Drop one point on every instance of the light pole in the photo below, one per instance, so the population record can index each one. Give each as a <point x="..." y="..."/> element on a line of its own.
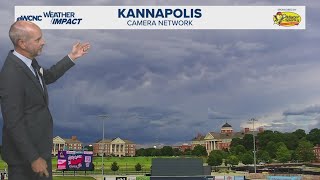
<point x="254" y="145"/>
<point x="103" y="117"/>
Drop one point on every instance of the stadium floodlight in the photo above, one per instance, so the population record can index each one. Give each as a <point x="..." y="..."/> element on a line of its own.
<point x="103" y="117"/>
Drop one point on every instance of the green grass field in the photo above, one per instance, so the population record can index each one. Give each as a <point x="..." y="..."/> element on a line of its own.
<point x="126" y="166"/>
<point x="3" y="165"/>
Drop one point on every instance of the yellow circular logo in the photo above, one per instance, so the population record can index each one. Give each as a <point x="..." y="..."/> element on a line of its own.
<point x="287" y="19"/>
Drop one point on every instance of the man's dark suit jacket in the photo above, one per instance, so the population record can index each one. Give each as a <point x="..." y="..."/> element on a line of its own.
<point x="27" y="128"/>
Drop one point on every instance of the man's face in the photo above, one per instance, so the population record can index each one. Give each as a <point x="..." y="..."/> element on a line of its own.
<point x="34" y="42"/>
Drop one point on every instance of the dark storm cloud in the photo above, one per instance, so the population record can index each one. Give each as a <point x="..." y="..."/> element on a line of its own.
<point x="315" y="109"/>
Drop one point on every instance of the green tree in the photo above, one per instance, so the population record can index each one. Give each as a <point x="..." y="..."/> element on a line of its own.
<point x="138" y="167"/>
<point x="264" y="138"/>
<point x="238" y="150"/>
<point x="314" y="136"/>
<point x="300" y="133"/>
<point x="304" y="151"/>
<point x="215" y="158"/>
<point x="277" y="137"/>
<point x="271" y="149"/>
<point x="264" y="156"/>
<point x="247" y="158"/>
<point x="114" y="167"/>
<point x="88" y="148"/>
<point x="140" y="152"/>
<point x="177" y="152"/>
<point x="248" y="142"/>
<point x="283" y="154"/>
<point x="267" y="136"/>
<point x="187" y="152"/>
<point x="232" y="160"/>
<point x="156" y="152"/>
<point x="290" y="140"/>
<point x="149" y="151"/>
<point x="199" y="150"/>
<point x="235" y="142"/>
<point x="167" y="151"/>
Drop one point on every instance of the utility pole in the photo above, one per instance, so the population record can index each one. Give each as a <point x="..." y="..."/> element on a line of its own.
<point x="252" y="120"/>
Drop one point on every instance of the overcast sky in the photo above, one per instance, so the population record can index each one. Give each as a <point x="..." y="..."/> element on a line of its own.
<point x="165" y="86"/>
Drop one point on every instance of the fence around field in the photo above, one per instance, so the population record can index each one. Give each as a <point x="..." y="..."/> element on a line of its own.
<point x="98" y="172"/>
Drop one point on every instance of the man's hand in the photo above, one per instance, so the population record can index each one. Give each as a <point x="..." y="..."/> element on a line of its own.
<point x="40" y="166"/>
<point x="78" y="50"/>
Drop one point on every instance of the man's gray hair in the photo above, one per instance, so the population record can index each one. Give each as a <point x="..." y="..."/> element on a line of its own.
<point x="18" y="32"/>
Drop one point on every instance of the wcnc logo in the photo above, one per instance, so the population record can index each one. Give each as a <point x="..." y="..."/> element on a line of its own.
<point x="29" y="18"/>
<point x="55" y="17"/>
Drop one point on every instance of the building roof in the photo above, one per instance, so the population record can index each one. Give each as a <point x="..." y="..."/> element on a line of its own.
<point x="199" y="138"/>
<point x="227" y="136"/>
<point x="104" y="141"/>
<point x="226" y="125"/>
<point x="128" y="142"/>
<point x="58" y="139"/>
<point x="72" y="141"/>
<point x="316" y="146"/>
<point x="110" y="140"/>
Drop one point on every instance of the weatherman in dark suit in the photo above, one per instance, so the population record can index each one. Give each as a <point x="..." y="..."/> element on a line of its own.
<point x="27" y="129"/>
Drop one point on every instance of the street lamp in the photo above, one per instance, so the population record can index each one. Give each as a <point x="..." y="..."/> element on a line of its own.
<point x="103" y="117"/>
<point x="254" y="145"/>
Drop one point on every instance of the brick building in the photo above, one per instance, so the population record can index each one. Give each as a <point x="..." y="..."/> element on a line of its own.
<point x="114" y="147"/>
<point x="60" y="144"/>
<point x="316" y="151"/>
<point x="198" y="140"/>
<point x="220" y="140"/>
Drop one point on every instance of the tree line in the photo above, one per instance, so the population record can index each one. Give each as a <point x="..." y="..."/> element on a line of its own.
<point x="169" y="151"/>
<point x="271" y="146"/>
